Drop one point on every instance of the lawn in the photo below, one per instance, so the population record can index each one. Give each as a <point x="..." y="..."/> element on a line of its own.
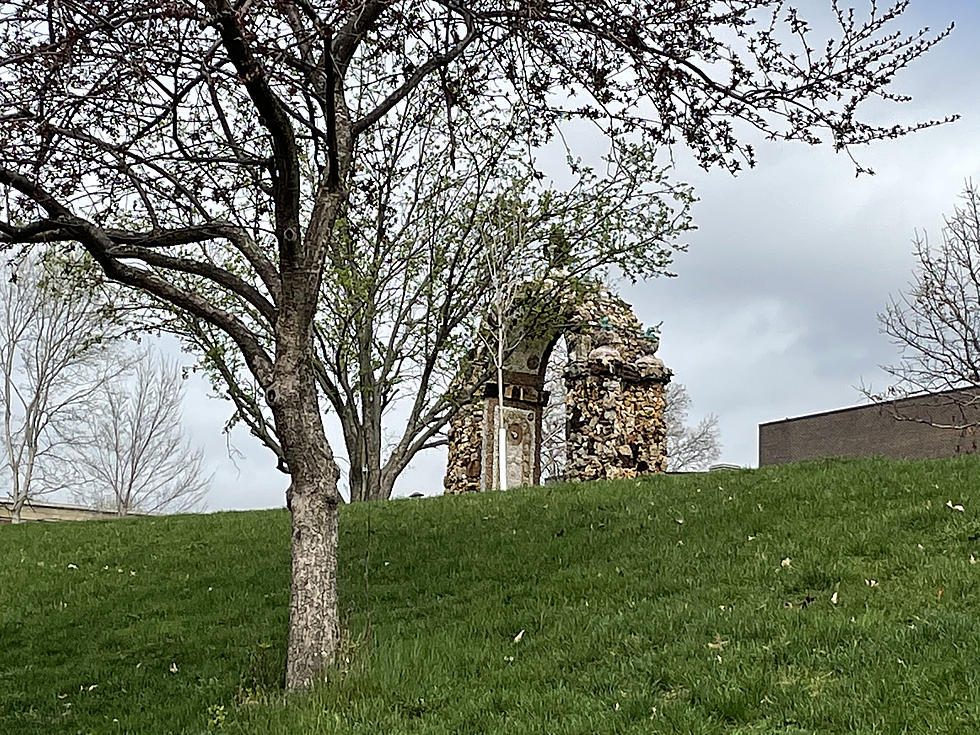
<point x="830" y="597"/>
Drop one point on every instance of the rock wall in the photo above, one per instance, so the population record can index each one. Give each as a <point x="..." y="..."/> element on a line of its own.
<point x="614" y="401"/>
<point x="464" y="466"/>
<point x="615" y="424"/>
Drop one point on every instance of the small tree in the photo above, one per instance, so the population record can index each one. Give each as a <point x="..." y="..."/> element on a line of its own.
<point x="540" y="253"/>
<point x="53" y="365"/>
<point x="689" y="447"/>
<point x="511" y="270"/>
<point x="134" y="456"/>
<point x="936" y="322"/>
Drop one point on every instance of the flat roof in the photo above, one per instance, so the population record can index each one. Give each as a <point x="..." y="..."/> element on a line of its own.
<point x="5" y="504"/>
<point x="870" y="405"/>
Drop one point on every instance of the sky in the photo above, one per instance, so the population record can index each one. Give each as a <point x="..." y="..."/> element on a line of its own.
<point x="773" y="312"/>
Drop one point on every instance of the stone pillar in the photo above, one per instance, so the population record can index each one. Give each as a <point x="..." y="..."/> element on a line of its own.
<point x="523" y="424"/>
<point x="464" y="467"/>
<point x="615" y="423"/>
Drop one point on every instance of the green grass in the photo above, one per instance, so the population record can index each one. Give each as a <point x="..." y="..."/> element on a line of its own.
<point x="661" y="606"/>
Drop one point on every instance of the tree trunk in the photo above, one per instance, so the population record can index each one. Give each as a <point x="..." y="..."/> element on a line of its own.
<point x="365" y="481"/>
<point x="292" y="394"/>
<point x="15" y="515"/>
<point x="387" y="482"/>
<point x="501" y="422"/>
<point x="355" y="476"/>
<point x="314" y="628"/>
<point x="313" y="500"/>
<point x="365" y="456"/>
<point x="368" y="479"/>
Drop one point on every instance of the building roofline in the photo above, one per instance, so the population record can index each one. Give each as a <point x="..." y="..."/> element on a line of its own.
<point x="6" y="505"/>
<point x="924" y="394"/>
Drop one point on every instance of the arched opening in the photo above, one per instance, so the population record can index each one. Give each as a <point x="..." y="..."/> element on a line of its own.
<point x="554" y="438"/>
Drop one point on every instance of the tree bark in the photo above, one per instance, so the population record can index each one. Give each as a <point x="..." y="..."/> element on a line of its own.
<point x="313" y="500"/>
<point x="314" y="628"/>
<point x="368" y="478"/>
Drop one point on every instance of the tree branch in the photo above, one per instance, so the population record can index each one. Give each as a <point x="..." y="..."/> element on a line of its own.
<point x="420" y="73"/>
<point x="274" y="118"/>
<point x="100" y="246"/>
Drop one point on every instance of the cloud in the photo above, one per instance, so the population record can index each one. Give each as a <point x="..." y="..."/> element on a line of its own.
<point x="774" y="310"/>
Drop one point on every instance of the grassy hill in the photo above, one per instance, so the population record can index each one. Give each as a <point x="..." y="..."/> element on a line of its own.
<point x="824" y="597"/>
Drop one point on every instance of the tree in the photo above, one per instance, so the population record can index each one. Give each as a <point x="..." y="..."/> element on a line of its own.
<point x="936" y="322"/>
<point x="199" y="152"/>
<point x="53" y="364"/>
<point x="689" y="448"/>
<point x="419" y="258"/>
<point x="515" y="282"/>
<point x="133" y="456"/>
<point x="82" y="415"/>
<point x="505" y="285"/>
<point x="537" y="273"/>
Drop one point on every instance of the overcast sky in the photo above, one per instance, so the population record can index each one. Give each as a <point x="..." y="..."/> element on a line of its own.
<point x="773" y="313"/>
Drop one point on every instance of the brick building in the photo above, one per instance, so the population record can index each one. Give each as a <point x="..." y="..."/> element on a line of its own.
<point x="874" y="430"/>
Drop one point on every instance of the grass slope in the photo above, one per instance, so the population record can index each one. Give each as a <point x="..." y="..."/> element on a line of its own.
<point x="824" y="597"/>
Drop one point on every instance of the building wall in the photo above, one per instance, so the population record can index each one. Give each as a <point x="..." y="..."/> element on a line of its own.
<point x="874" y="430"/>
<point x="55" y="512"/>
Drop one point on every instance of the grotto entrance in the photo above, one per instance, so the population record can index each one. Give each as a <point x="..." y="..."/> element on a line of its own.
<point x="614" y="402"/>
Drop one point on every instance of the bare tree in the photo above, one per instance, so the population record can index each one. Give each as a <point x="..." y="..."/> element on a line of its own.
<point x="533" y="285"/>
<point x="511" y="270"/>
<point x="936" y="324"/>
<point x="200" y="151"/>
<point x="689" y="447"/>
<point x="53" y="364"/>
<point x="130" y="449"/>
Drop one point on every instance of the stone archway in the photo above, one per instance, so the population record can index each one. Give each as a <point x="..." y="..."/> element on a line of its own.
<point x="614" y="402"/>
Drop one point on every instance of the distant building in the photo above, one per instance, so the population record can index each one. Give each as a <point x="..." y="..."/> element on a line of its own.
<point x="55" y="512"/>
<point x="874" y="430"/>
